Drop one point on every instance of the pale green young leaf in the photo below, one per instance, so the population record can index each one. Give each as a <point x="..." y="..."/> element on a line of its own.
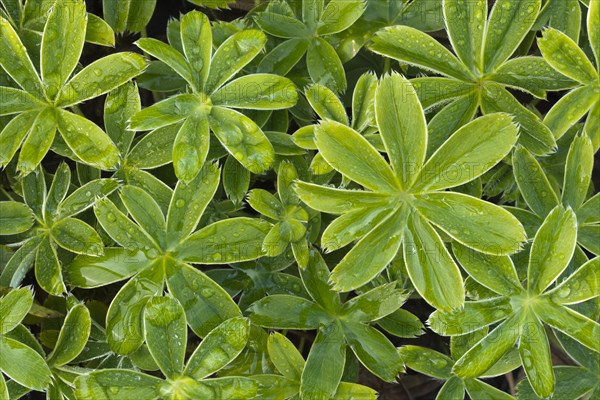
<point x="352" y="226"/>
<point x="536" y="356"/>
<point x="412" y="46"/>
<point x="552" y="248"/>
<point x="115" y="265"/>
<point x="78" y="237"/>
<point x="196" y="40"/>
<point x="564" y="55"/>
<point x="508" y="25"/>
<point x="16" y="101"/>
<point x="117" y="384"/>
<point x="257" y="92"/>
<point x="38" y="142"/>
<point x="14" y="306"/>
<point x="578" y="172"/>
<point x="48" y="269"/>
<point x="338" y="144"/>
<point x="85" y="196"/>
<point x="374" y="350"/>
<point x="206" y="304"/>
<point x="62" y="43"/>
<point x="339" y="15"/>
<point x="582" y="285"/>
<point x="430" y="266"/>
<point x="324" y="364"/>
<point x="15" y="60"/>
<point x="427" y="361"/>
<point x="338" y="201"/>
<point x="15" y="217"/>
<point x="219" y="348"/>
<point x="326" y="104"/>
<point x="286" y="176"/>
<point x="72" y="337"/>
<point x="189" y="202"/>
<point x="23" y="364"/>
<point x="473" y="316"/>
<point x="233" y="55"/>
<point x="144" y="210"/>
<point x="567" y="111"/>
<point x="101" y="77"/>
<point x="281" y="311"/>
<point x="13" y="134"/>
<point x="402" y="126"/>
<point x="468" y="153"/>
<point x="371" y="254"/>
<point x="265" y="203"/>
<point x="168" y="55"/>
<point x="90" y="143"/>
<point x="324" y="65"/>
<point x="465" y="25"/>
<point x="284" y="355"/>
<point x="533" y="183"/>
<point x="488" y="350"/>
<point x="497" y="273"/>
<point x="243" y="138"/>
<point x="165" y="331"/>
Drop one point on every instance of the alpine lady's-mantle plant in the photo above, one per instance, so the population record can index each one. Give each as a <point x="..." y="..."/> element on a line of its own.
<point x="269" y="201"/>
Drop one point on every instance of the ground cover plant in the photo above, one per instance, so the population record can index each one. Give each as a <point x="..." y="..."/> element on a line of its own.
<point x="303" y="199"/>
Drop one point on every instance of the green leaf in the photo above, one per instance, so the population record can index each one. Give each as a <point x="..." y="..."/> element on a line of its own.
<point x="284" y="355"/>
<point x="47" y="268"/>
<point x="567" y="111"/>
<point x="15" y="60"/>
<point x="115" y="265"/>
<point x="402" y="126"/>
<point x="94" y="147"/>
<point x="38" y="142"/>
<point x="588" y="236"/>
<point x="219" y="348"/>
<point x="552" y="248"/>
<point x="374" y="350"/>
<point x="19" y="264"/>
<point x="352" y="226"/>
<point x="454" y="388"/>
<point x="592" y="25"/>
<point x="13" y="134"/>
<point x="191" y="147"/>
<point x="155" y="149"/>
<point x="85" y="196"/>
<point x="532" y="74"/>
<point x="402" y="323"/>
<point x="232" y="387"/>
<point x="536" y="356"/>
<point x="488" y="350"/>
<point x="587" y="213"/>
<point x="533" y="183"/>
<point x="166" y="334"/>
<point x="427" y="361"/>
<point x="121" y="104"/>
<point x="581" y="328"/>
<point x="326" y="104"/>
<point x="99" y="32"/>
<point x="508" y="25"/>
<point x="466" y="25"/>
<point x="284" y="57"/>
<point x="338" y="201"/>
<point x="412" y="46"/>
<point x="257" y="92"/>
<point x="325" y="363"/>
<point x="169" y="56"/>
<point x="582" y="285"/>
<point x="281" y="311"/>
<point x="58" y="190"/>
<point x="339" y="15"/>
<point x="117" y="384"/>
<point x="145" y="211"/>
<point x="473" y="316"/>
<point x="206" y="303"/>
<point x="77" y="236"/>
<point x="564" y="55"/>
<point x="23" y="364"/>
<point x="478" y="390"/>
<point x="16" y="101"/>
<point x="375" y="304"/>
<point x="139" y="15"/>
<point x="189" y="202"/>
<point x="121" y="229"/>
<point x="497" y="273"/>
<point x="314" y="278"/>
<point x="371" y="254"/>
<point x="124" y="323"/>
<point x="14" y="306"/>
<point x="578" y="172"/>
<point x="62" y="43"/>
<point x="570" y="382"/>
<point x="196" y="40"/>
<point x="325" y="66"/>
<point x="471" y="151"/>
<point x="363" y="110"/>
<point x="474" y="223"/>
<point x="73" y="336"/>
<point x="101" y="77"/>
<point x="243" y="138"/>
<point x="15" y="217"/>
<point x="166" y="112"/>
<point x="338" y="144"/>
<point x="233" y="55"/>
<point x="430" y="267"/>
<point x="281" y="25"/>
<point x="34" y="192"/>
